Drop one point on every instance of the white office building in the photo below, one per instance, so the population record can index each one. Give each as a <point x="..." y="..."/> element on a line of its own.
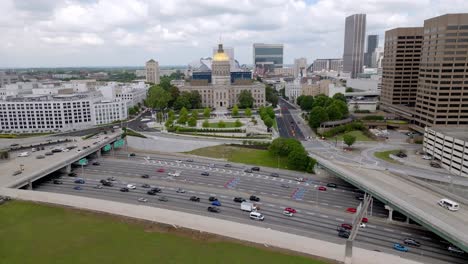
<point x="106" y="111"/>
<point x="449" y="146"/>
<point x="293" y="89"/>
<point x="133" y="93"/>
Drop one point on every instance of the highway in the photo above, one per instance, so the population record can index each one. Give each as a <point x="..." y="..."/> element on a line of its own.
<point x="313" y="219"/>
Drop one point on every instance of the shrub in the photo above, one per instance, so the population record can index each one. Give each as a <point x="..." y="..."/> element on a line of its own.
<point x="221" y="124"/>
<point x="192" y="121"/>
<point x="206" y="123"/>
<point x="238" y="123"/>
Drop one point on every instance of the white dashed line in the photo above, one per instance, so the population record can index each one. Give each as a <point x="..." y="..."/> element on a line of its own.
<point x="271" y="205"/>
<point x="371" y="226"/>
<point x="274" y="194"/>
<point x="426" y="238"/>
<point x="310" y="213"/>
<point x="263" y="193"/>
<point x="324" y="216"/>
<point x="388" y="230"/>
<point x="222" y="196"/>
<point x="406" y="234"/>
<point x="339" y="219"/>
<point x="323" y="203"/>
<point x="202" y="193"/>
<point x="338" y="206"/>
<point x="210" y="184"/>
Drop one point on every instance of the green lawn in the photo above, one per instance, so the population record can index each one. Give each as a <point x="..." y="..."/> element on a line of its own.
<point x="228" y="125"/>
<point x="42" y="234"/>
<point x="385" y="155"/>
<point x="242" y="155"/>
<point x="357" y="133"/>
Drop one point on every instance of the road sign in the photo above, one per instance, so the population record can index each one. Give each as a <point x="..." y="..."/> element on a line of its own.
<point x="107" y="147"/>
<point x="119" y="143"/>
<point x="83" y="161"/>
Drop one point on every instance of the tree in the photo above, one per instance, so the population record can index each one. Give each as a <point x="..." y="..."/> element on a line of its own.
<point x="299" y="99"/>
<point x="245" y="99"/>
<point x="183" y="112"/>
<point x="270" y="112"/>
<point x="270" y="95"/>
<point x="207" y="112"/>
<point x="342" y="107"/>
<point x="238" y="123"/>
<point x="194" y="114"/>
<point x="175" y="93"/>
<point x="171" y="114"/>
<point x="183" y="101"/>
<point x="136" y="108"/>
<point x="195" y="99"/>
<point x="268" y="122"/>
<point x="283" y="146"/>
<point x="322" y="100"/>
<point x="333" y="112"/>
<point x="169" y="123"/>
<point x="349" y="90"/>
<point x="206" y="123"/>
<point x="192" y="122"/>
<point x="183" y="116"/>
<point x="306" y="102"/>
<point x="339" y="96"/>
<point x="317" y="116"/>
<point x="248" y="112"/>
<point x="131" y="111"/>
<point x="349" y="139"/>
<point x="221" y="124"/>
<point x="235" y="111"/>
<point x="298" y="160"/>
<point x="158" y="97"/>
<point x="159" y="116"/>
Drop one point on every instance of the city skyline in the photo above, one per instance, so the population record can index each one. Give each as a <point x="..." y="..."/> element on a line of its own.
<point x="101" y="33"/>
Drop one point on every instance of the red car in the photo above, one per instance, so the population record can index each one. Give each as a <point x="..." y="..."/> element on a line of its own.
<point x="351" y="210"/>
<point x="160" y="170"/>
<point x="347" y="226"/>
<point x="322" y="188"/>
<point x="291" y="210"/>
<point x="365" y="220"/>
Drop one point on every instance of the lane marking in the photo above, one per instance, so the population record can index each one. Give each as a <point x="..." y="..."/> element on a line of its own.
<point x="388" y="230"/>
<point x="339" y="219"/>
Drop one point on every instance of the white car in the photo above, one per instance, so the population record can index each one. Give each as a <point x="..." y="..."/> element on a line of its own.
<point x="131" y="186"/>
<point x="174" y="174"/>
<point x="180" y="190"/>
<point x="23" y="154"/>
<point x="142" y="200"/>
<point x="426" y="157"/>
<point x="362" y="225"/>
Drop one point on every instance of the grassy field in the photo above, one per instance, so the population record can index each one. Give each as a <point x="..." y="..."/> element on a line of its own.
<point x="243" y="155"/>
<point x="42" y="234"/>
<point x="385" y="155"/>
<point x="228" y="125"/>
<point x="357" y="133"/>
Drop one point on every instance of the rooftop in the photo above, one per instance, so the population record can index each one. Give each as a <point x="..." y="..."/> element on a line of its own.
<point x="460" y="132"/>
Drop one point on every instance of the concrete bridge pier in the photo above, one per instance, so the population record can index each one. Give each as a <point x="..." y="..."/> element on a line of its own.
<point x="390" y="213"/>
<point x="98" y="153"/>
<point x="348" y="252"/>
<point x="30" y="186"/>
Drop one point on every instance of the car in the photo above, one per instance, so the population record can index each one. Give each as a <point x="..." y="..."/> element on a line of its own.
<point x="351" y="210"/>
<point x="106" y="183"/>
<point x="254" y="198"/>
<point x="227" y="165"/>
<point x="160" y="170"/>
<point x="72" y="174"/>
<point x="212" y="165"/>
<point x="57" y="181"/>
<point x="344" y="234"/>
<point x="96" y="163"/>
<point x="435" y="165"/>
<point x="299" y="179"/>
<point x="156" y="189"/>
<point x="98" y="186"/>
<point x="142" y="200"/>
<point x="401" y="154"/>
<point x="274" y="174"/>
<point x="131" y="186"/>
<point x="400" y="247"/>
<point x="411" y="242"/>
<point x="322" y="188"/>
<point x="189" y="160"/>
<point x="56" y="150"/>
<point x="426" y="157"/>
<point x="77" y="188"/>
<point x="286" y="213"/>
<point x="48" y="153"/>
<point x="212" y="198"/>
<point x="40" y="157"/>
<point x="284" y="185"/>
<point x="239" y="199"/>
<point x="145" y="185"/>
<point x="151" y="192"/>
<point x="80" y="181"/>
<point x="213" y="209"/>
<point x="332" y="185"/>
<point x="256" y="216"/>
<point x="362" y="225"/>
<point x="195" y="199"/>
<point x="111" y="179"/>
<point x="163" y="199"/>
<point x="180" y="190"/>
<point x="342" y="229"/>
<point x="291" y="210"/>
<point x="364" y="220"/>
<point x="132" y="154"/>
<point x="205" y="173"/>
<point x="455" y="249"/>
<point x="124" y="189"/>
<point x="145" y="176"/>
<point x="178" y="161"/>
<point x="256" y="168"/>
<point x="216" y="203"/>
<point x="248" y="170"/>
<point x="347" y="226"/>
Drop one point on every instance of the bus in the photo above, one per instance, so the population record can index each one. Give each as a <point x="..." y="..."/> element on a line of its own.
<point x="449" y="204"/>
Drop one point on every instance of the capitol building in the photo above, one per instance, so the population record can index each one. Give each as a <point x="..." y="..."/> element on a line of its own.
<point x="219" y="87"/>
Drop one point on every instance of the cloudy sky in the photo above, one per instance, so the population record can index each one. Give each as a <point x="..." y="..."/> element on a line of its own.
<point x="57" y="33"/>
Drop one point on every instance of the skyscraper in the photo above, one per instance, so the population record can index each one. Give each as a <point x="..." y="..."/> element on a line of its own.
<point x="300" y="66"/>
<point x="372" y="44"/>
<point x="266" y="57"/>
<point x="152" y="71"/>
<point x="353" y="55"/>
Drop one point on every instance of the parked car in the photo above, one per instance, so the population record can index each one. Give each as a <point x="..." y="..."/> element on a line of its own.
<point x="256" y="168"/>
<point x="435" y="165"/>
<point x="239" y="199"/>
<point x="145" y="185"/>
<point x="426" y="157"/>
<point x="160" y="170"/>
<point x="205" y="173"/>
<point x="124" y="189"/>
<point x="163" y="199"/>
<point x="254" y="198"/>
<point x="274" y="174"/>
<point x="291" y="210"/>
<point x="57" y="181"/>
<point x="195" y="199"/>
<point x="213" y="209"/>
<point x="332" y="185"/>
<point x="400" y="247"/>
<point x="216" y="203"/>
<point x="411" y="242"/>
<point x="145" y="176"/>
<point x="248" y="170"/>
<point x="142" y="200"/>
<point x="322" y="188"/>
<point x="401" y="154"/>
<point x="72" y="174"/>
<point x="351" y="210"/>
<point x="212" y="198"/>
<point x="347" y="226"/>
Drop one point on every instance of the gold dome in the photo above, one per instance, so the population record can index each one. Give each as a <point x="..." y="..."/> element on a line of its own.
<point x="220" y="55"/>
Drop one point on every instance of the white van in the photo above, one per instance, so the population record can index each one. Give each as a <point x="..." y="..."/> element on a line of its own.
<point x="23" y="154"/>
<point x="449" y="204"/>
<point x="257" y="216"/>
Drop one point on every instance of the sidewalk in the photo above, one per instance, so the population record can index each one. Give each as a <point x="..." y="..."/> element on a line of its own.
<point x="267" y="237"/>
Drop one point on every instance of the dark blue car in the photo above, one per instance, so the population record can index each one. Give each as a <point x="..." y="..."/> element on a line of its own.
<point x="77" y="188"/>
<point x="216" y="203"/>
<point x="400" y="247"/>
<point x="80" y="181"/>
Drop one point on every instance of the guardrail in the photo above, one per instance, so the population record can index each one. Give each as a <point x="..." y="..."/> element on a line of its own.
<point x="401" y="206"/>
<point x="41" y="173"/>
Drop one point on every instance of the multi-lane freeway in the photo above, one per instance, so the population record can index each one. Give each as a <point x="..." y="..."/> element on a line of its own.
<point x="319" y="213"/>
